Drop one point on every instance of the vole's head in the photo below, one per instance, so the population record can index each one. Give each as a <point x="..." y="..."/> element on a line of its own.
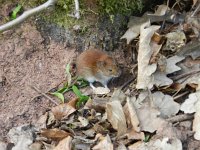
<point x="108" y="67"/>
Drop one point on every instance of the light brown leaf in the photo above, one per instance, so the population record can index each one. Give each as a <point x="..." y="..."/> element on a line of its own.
<point x="131" y="115"/>
<point x="54" y="134"/>
<point x="104" y="144"/>
<point x="65" y="144"/>
<point x="63" y="110"/>
<point x="116" y="117"/>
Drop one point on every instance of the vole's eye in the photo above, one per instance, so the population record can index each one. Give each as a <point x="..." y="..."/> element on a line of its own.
<point x="110" y="70"/>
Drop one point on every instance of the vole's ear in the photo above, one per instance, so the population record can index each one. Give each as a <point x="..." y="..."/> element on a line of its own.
<point x="100" y="63"/>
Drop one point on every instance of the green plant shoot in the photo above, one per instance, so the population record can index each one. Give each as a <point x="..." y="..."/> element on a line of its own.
<point x="16" y="11"/>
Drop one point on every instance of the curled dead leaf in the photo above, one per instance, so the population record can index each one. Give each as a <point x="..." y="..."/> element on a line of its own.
<point x="54" y="134"/>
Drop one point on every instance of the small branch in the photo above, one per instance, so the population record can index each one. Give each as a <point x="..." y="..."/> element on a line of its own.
<point x="27" y="14"/>
<point x="180" y="118"/>
<point x="77" y="11"/>
<point x="45" y="95"/>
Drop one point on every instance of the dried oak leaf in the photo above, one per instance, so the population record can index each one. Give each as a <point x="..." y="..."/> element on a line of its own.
<point x="54" y="134"/>
<point x="145" y="70"/>
<point x="165" y="104"/>
<point x="158" y="144"/>
<point x="65" y="144"/>
<point x="188" y="106"/>
<point x="64" y="110"/>
<point x="116" y="117"/>
<point x="133" y="28"/>
<point x="104" y="144"/>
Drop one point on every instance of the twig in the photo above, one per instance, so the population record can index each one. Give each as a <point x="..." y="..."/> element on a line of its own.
<point x="180" y="118"/>
<point x="185" y="75"/>
<point x="196" y="10"/>
<point x="128" y="82"/>
<point x="77" y="11"/>
<point x="182" y="94"/>
<point x="27" y="14"/>
<point x="36" y="89"/>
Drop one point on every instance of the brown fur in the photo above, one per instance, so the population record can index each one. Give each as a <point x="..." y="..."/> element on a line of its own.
<point x="91" y="62"/>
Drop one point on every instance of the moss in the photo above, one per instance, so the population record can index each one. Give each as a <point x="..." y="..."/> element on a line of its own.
<point x="125" y="7"/>
<point x="90" y="10"/>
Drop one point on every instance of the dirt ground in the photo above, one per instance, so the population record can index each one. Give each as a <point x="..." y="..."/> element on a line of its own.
<point x="26" y="61"/>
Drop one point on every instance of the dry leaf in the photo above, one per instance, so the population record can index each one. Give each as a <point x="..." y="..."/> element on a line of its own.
<point x="104" y="144"/>
<point x="121" y="147"/>
<point x="131" y="134"/>
<point x="171" y="64"/>
<point x="54" y="134"/>
<point x="165" y="104"/>
<point x="62" y="110"/>
<point x="65" y="144"/>
<point x="101" y="90"/>
<point x="116" y="117"/>
<point x="3" y="146"/>
<point x="131" y="115"/>
<point x="134" y="28"/>
<point x="118" y="95"/>
<point x="160" y="79"/>
<point x="196" y="121"/>
<point x="35" y="146"/>
<point x="164" y="144"/>
<point x="175" y="40"/>
<point x="188" y="106"/>
<point x="83" y="121"/>
<point x="161" y="10"/>
<point x="73" y="102"/>
<point x="21" y="136"/>
<point x="145" y="71"/>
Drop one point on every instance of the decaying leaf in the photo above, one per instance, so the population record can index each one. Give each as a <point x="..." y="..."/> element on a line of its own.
<point x="196" y="121"/>
<point x="3" y="146"/>
<point x="118" y="95"/>
<point x="165" y="104"/>
<point x="104" y="144"/>
<point x="160" y="79"/>
<point x="21" y="136"/>
<point x="131" y="115"/>
<point x="171" y="64"/>
<point x="54" y="134"/>
<point x="163" y="144"/>
<point x="101" y="90"/>
<point x="134" y="28"/>
<point x="175" y="40"/>
<point x="145" y="71"/>
<point x="147" y="114"/>
<point x="63" y="110"/>
<point x="116" y="117"/>
<point x="161" y="10"/>
<point x="189" y="105"/>
<point x="35" y="146"/>
<point x="83" y="121"/>
<point x="65" y="144"/>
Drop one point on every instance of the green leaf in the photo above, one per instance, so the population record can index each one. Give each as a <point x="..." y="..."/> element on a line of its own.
<point x="59" y="95"/>
<point x="82" y="98"/>
<point x="67" y="71"/>
<point x="76" y="91"/>
<point x="16" y="11"/>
